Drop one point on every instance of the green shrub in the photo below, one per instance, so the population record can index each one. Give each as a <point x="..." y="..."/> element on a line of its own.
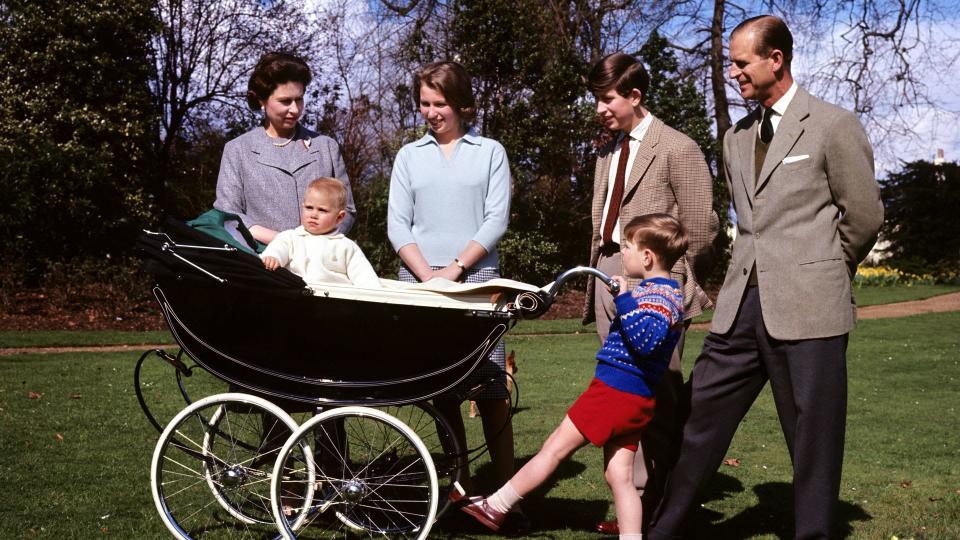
<point x="946" y="272"/>
<point x="528" y="256"/>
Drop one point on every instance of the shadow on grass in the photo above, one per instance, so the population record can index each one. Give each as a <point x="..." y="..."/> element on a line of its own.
<point x="483" y="476"/>
<point x="772" y="515"/>
<point x="542" y="511"/>
<point x="546" y="514"/>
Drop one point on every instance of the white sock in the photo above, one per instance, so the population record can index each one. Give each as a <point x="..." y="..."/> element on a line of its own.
<point x="637" y="536"/>
<point x="504" y="499"/>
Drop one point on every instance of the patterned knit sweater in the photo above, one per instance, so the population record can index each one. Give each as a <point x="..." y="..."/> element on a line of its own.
<point x="642" y="337"/>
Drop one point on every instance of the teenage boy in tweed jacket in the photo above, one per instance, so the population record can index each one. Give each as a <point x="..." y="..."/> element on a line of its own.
<point x="664" y="172"/>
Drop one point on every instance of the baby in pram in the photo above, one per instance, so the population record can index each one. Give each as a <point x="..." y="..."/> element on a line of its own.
<point x="315" y="250"/>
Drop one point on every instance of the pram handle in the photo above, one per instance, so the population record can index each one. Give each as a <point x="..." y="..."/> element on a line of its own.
<point x="580" y="270"/>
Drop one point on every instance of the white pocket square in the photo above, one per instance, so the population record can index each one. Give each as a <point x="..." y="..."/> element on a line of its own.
<point x="794" y="159"/>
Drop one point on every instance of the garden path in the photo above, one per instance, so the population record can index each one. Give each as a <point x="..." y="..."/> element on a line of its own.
<point x="936" y="304"/>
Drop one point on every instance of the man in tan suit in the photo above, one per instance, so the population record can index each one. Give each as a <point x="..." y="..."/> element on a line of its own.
<point x="808" y="208"/>
<point x="648" y="168"/>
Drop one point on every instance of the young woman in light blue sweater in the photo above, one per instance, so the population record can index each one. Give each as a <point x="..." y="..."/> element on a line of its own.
<point x="449" y="205"/>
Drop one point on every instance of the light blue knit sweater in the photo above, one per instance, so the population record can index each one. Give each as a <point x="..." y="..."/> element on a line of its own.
<point x="441" y="204"/>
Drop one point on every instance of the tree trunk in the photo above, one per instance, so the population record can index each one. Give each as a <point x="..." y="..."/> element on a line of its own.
<point x="718" y="75"/>
<point x="721" y="113"/>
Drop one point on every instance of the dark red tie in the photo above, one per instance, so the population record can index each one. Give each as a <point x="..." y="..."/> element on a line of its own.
<point x="613" y="212"/>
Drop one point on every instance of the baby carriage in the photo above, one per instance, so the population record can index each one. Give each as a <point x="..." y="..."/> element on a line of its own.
<point x="374" y="459"/>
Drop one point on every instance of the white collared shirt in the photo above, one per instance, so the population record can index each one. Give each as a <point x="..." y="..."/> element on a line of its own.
<point x="780" y="108"/>
<point x="636" y="135"/>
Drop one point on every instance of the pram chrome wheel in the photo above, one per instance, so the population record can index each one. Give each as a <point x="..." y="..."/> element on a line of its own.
<point x="373" y="477"/>
<point x="212" y="467"/>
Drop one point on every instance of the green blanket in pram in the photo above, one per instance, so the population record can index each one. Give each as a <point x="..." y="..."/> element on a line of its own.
<point x="227" y="227"/>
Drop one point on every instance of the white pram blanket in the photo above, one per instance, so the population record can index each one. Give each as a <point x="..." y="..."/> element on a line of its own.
<point x="490" y="295"/>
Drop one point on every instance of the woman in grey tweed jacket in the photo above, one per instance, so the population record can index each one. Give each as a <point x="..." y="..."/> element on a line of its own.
<point x="264" y="172"/>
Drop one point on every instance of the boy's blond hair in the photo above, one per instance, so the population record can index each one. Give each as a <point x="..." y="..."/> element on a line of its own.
<point x="331" y="187"/>
<point x="660" y="233"/>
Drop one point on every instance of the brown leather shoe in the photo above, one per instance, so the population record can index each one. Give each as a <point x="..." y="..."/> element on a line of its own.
<point x="611" y="528"/>
<point x="478" y="509"/>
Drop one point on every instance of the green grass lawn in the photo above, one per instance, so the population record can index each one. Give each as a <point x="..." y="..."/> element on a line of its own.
<point x="81" y="338"/>
<point x="867" y="296"/>
<point x="75" y="462"/>
<point x="872" y="296"/>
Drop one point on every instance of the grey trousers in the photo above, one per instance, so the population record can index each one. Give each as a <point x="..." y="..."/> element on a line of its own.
<point x="809" y="382"/>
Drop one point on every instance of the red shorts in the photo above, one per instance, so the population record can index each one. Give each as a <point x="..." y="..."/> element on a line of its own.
<point x="607" y="415"/>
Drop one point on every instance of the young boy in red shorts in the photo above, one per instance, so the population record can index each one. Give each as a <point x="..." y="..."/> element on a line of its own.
<point x="619" y="401"/>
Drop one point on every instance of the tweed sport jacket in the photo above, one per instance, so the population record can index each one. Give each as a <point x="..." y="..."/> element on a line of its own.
<point x="812" y="215"/>
<point x="670" y="176"/>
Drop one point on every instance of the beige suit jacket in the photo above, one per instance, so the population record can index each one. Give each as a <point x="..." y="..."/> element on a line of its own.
<point x="809" y="219"/>
<point x="669" y="175"/>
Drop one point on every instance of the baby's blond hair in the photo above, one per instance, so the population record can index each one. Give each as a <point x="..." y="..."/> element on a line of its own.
<point x="331" y="187"/>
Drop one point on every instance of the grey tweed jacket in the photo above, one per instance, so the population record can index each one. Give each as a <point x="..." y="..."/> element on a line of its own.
<point x="264" y="184"/>
<point x="669" y="175"/>
<point x="812" y="215"/>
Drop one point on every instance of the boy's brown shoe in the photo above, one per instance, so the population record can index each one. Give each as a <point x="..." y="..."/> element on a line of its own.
<point x="611" y="528"/>
<point x="478" y="509"/>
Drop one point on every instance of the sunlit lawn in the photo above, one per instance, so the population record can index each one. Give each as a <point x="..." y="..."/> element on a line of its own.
<point x="872" y="296"/>
<point x="901" y="476"/>
<point x="866" y="296"/>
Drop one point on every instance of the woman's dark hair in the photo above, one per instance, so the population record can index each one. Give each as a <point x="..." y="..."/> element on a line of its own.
<point x="772" y="33"/>
<point x="274" y="69"/>
<point x="452" y="81"/>
<point x="621" y="72"/>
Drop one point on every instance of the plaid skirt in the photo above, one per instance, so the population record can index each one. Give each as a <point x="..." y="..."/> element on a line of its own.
<point x="494" y="366"/>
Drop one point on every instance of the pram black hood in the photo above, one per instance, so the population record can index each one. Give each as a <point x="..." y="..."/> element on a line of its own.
<point x="237" y="267"/>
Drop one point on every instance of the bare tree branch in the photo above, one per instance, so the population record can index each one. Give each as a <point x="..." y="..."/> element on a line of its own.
<point x="205" y="50"/>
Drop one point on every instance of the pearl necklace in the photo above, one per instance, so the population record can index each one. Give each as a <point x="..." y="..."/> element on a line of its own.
<point x="288" y="141"/>
<point x="284" y="143"/>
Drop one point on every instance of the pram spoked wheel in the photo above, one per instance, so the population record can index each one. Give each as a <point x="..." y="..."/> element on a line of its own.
<point x="211" y="470"/>
<point x="437" y="436"/>
<point x="373" y="477"/>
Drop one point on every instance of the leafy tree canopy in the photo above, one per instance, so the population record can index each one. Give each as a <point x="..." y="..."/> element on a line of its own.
<point x="920" y="220"/>
<point x="75" y="126"/>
